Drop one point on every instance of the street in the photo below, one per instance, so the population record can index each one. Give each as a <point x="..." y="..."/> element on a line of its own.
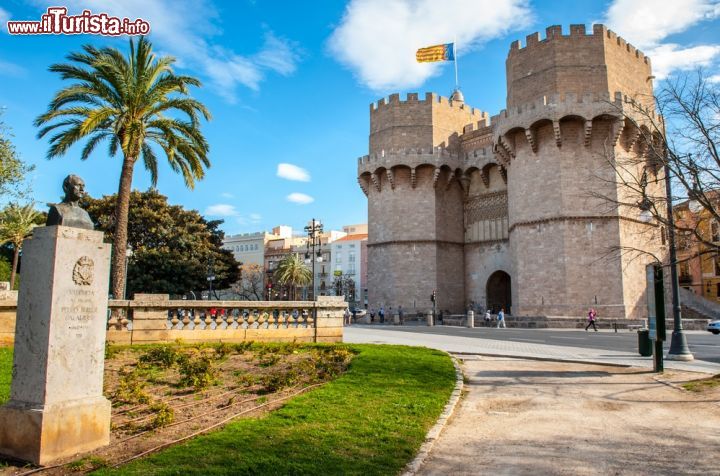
<point x="704" y="345"/>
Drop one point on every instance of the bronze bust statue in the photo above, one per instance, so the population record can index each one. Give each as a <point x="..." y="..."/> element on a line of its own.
<point x="68" y="212"/>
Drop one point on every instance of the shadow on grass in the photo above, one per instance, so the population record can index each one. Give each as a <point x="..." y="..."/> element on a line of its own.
<point x="371" y="420"/>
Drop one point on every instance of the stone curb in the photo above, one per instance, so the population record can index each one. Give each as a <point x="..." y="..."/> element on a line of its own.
<point x="545" y="359"/>
<point x="569" y="360"/>
<point x="414" y="466"/>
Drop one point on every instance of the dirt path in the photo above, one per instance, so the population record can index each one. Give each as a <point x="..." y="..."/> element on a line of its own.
<point x="531" y="417"/>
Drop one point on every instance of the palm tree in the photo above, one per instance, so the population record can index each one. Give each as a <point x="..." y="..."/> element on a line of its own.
<point x="16" y="224"/>
<point x="132" y="102"/>
<point x="292" y="272"/>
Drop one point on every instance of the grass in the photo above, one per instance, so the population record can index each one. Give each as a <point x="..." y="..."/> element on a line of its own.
<point x="5" y="373"/>
<point x="371" y="420"/>
<point x="702" y="384"/>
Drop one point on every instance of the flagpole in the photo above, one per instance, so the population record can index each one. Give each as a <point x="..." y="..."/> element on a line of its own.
<point x="457" y="86"/>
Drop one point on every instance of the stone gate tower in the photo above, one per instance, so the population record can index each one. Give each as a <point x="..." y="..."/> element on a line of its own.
<point x="415" y="200"/>
<point x="506" y="213"/>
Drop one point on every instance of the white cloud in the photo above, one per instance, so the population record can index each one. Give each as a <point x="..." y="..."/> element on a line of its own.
<point x="11" y="69"/>
<point x="185" y="28"/>
<point x="292" y="172"/>
<point x="647" y="23"/>
<point x="377" y="39"/>
<point x="671" y="57"/>
<point x="221" y="210"/>
<point x="255" y="217"/>
<point x="300" y="198"/>
<point x="227" y="195"/>
<point x="715" y="78"/>
<point x="278" y="55"/>
<point x="4" y="17"/>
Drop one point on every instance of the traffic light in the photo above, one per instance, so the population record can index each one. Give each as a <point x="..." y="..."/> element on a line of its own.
<point x="434" y="296"/>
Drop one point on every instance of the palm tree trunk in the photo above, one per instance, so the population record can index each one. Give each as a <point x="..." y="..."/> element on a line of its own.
<point x="122" y="209"/>
<point x="13" y="271"/>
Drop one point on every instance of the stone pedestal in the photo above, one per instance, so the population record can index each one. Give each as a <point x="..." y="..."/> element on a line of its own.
<point x="56" y="406"/>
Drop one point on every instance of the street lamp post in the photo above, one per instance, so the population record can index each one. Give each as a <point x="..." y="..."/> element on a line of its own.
<point x="314" y="229"/>
<point x="210" y="277"/>
<point x="128" y="254"/>
<point x="678" y="343"/>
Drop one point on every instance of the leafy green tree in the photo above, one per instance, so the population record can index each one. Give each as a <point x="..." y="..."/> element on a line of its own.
<point x="5" y="269"/>
<point x="16" y="224"/>
<point x="133" y="102"/>
<point x="13" y="171"/>
<point x="292" y="272"/>
<point x="170" y="247"/>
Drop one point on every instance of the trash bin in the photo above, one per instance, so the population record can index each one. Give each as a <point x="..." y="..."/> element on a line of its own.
<point x="644" y="343"/>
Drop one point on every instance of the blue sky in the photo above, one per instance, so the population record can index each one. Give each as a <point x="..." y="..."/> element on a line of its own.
<point x="289" y="82"/>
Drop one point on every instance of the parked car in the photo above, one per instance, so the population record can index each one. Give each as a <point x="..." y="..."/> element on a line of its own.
<point x="358" y="312"/>
<point x="714" y="327"/>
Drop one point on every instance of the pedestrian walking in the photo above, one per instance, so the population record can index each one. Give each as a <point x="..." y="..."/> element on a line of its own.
<point x="501" y="319"/>
<point x="381" y="314"/>
<point x="592" y="317"/>
<point x="347" y="316"/>
<point x="401" y="313"/>
<point x="488" y="317"/>
<point x="372" y="315"/>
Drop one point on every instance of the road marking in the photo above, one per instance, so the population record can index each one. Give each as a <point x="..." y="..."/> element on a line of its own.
<point x="531" y="340"/>
<point x="573" y="338"/>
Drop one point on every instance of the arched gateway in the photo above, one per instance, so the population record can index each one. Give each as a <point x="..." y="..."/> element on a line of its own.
<point x="498" y="292"/>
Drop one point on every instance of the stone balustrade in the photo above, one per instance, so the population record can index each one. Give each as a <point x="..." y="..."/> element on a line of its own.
<point x="154" y="318"/>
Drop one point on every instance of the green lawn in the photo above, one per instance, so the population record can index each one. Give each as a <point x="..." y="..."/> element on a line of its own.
<point x="371" y="420"/>
<point x="5" y="373"/>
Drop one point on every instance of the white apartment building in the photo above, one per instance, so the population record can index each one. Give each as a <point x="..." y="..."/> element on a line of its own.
<point x="249" y="248"/>
<point x="349" y="260"/>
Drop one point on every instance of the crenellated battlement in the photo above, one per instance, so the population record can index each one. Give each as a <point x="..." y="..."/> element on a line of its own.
<point x="391" y="154"/>
<point x="577" y="32"/>
<point x="412" y="99"/>
<point x="588" y="106"/>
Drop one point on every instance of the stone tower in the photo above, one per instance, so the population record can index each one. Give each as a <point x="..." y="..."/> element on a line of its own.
<point x="568" y="97"/>
<point x="415" y="201"/>
<point x="505" y="213"/>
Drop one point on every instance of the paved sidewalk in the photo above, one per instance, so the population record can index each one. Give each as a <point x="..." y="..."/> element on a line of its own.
<point x="474" y="345"/>
<point x="528" y="417"/>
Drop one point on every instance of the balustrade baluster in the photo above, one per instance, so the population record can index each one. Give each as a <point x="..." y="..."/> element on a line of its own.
<point x="113" y="322"/>
<point x="174" y="321"/>
<point x="251" y="319"/>
<point x="219" y="319"/>
<point x="196" y="319"/>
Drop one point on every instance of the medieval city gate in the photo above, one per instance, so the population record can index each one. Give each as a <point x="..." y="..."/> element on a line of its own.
<point x="498" y="292"/>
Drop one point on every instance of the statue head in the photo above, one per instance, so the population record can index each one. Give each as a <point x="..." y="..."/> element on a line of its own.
<point x="74" y="188"/>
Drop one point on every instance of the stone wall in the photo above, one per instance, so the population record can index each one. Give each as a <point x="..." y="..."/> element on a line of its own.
<point x="153" y="318"/>
<point x="8" y="308"/>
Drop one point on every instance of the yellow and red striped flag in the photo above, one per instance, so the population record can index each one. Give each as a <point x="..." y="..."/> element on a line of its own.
<point x="434" y="53"/>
